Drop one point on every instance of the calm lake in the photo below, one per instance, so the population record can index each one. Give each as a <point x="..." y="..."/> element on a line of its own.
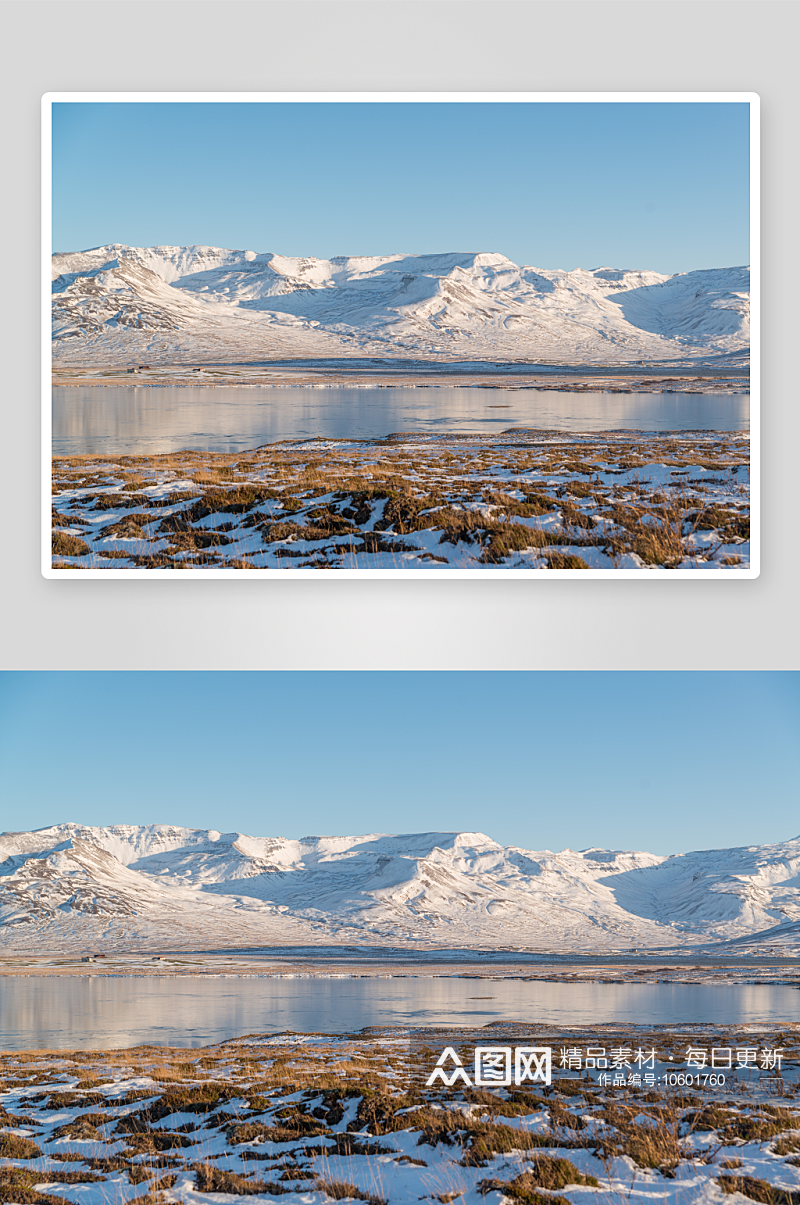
<point x="116" y="421"/>
<point x="107" y="1011"/>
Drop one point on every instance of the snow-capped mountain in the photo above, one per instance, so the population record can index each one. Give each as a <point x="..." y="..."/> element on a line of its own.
<point x="130" y="885"/>
<point x="118" y="304"/>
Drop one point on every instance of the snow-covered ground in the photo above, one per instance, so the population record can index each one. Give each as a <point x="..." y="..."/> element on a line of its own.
<point x="129" y="886"/>
<point x="522" y="500"/>
<point x="174" y="305"/>
<point x="326" y="1119"/>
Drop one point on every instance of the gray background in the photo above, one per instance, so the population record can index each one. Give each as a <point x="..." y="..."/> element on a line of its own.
<point x="438" y="46"/>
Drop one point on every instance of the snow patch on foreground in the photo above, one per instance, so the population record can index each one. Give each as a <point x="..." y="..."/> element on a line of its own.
<point x="355" y="1120"/>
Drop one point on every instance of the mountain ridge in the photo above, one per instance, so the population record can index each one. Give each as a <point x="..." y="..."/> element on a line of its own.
<point x="135" y="884"/>
<point x="116" y="304"/>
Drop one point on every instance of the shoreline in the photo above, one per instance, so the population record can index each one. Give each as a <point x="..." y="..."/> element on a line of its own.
<point x="371" y="374"/>
<point x="614" y="385"/>
<point x="771" y="970"/>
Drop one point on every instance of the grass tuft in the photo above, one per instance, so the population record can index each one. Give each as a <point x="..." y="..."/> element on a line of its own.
<point x="522" y="1188"/>
<point x="342" y="1190"/>
<point x="653" y="1146"/>
<point x="758" y="1190"/>
<point x="563" y="560"/>
<point x="66" y="545"/>
<point x="14" y="1146"/>
<point x="214" y="1179"/>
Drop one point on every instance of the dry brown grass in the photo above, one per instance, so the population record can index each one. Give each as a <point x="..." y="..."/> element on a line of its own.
<point x="82" y="1127"/>
<point x="661" y="544"/>
<point x="129" y="528"/>
<point x="60" y="520"/>
<point x="757" y="1128"/>
<point x="520" y="1189"/>
<point x="560" y="560"/>
<point x="342" y="1190"/>
<point x="14" y="1146"/>
<point x="545" y="1172"/>
<point x="17" y="1186"/>
<point x="378" y="1108"/>
<point x="758" y="1190"/>
<point x="655" y="1145"/>
<point x="66" y="545"/>
<point x="22" y="1195"/>
<point x="788" y="1145"/>
<point x="121" y="1163"/>
<point x="503" y="539"/>
<point x="488" y="1139"/>
<point x="156" y="1141"/>
<point x="198" y="1097"/>
<point x="323" y="1086"/>
<point x="713" y="1116"/>
<point x="20" y="1178"/>
<point x="214" y="1179"/>
<point x="74" y="1177"/>
<point x="425" y="485"/>
<point x="289" y="1132"/>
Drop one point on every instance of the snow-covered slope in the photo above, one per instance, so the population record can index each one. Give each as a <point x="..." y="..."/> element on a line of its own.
<point x="159" y="883"/>
<point x="117" y="304"/>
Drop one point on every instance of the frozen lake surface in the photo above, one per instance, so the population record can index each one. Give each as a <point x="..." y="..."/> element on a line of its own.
<point x="145" y="421"/>
<point x="105" y="1011"/>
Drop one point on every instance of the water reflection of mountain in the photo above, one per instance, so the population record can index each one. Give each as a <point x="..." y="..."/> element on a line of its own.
<point x="117" y="420"/>
<point x="98" y="1011"/>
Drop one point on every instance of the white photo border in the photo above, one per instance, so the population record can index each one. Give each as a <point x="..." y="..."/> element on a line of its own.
<point x="750" y="98"/>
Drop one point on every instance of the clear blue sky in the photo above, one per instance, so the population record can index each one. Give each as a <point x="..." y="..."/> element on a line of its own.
<point x="660" y="761"/>
<point x="663" y="186"/>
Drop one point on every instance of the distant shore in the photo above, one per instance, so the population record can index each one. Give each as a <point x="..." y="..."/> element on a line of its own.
<point x="773" y="969"/>
<point x="398" y="374"/>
